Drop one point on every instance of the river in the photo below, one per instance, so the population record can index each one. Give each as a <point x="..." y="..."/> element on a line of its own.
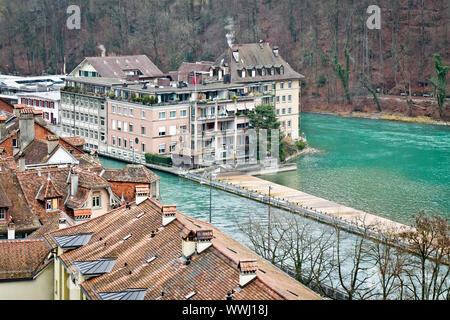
<point x="391" y="169"/>
<point x="388" y="168"/>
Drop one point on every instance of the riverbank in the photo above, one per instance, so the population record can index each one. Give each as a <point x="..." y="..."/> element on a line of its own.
<point x="384" y="116"/>
<point x="307" y="151"/>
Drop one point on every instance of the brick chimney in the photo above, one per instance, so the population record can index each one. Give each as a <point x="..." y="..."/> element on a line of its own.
<point x="247" y="271"/>
<point x="2" y="127"/>
<point x="26" y="127"/>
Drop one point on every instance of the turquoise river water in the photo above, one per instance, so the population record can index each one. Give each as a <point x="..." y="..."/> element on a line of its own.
<point x="388" y="168"/>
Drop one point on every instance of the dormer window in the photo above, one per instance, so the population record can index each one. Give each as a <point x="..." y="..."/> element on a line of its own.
<point x="263" y="72"/>
<point x="272" y="71"/>
<point x="243" y="73"/>
<point x="3" y="212"/>
<point x="51" y="204"/>
<point x="14" y="142"/>
<point x="282" y="70"/>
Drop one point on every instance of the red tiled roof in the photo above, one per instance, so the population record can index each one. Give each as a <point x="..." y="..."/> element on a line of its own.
<point x="210" y="274"/>
<point x="48" y="191"/>
<point x="22" y="259"/>
<point x="131" y="173"/>
<point x="19" y="211"/>
<point x="76" y="141"/>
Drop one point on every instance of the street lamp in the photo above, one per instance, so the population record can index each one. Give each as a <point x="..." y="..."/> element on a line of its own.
<point x="268" y="230"/>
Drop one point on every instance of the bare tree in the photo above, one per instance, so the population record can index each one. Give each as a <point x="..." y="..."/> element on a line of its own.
<point x="355" y="268"/>
<point x="428" y="274"/>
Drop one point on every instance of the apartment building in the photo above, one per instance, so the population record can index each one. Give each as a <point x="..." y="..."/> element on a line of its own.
<point x="47" y="102"/>
<point x="84" y="113"/>
<point x="264" y="71"/>
<point x="135" y="67"/>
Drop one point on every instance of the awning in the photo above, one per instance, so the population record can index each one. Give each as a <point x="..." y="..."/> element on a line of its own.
<point x="241" y="107"/>
<point x="231" y="108"/>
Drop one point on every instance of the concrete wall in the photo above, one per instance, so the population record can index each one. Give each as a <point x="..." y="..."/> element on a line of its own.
<point x="39" y="289"/>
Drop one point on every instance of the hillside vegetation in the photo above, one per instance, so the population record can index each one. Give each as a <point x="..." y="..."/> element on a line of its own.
<point x="310" y="34"/>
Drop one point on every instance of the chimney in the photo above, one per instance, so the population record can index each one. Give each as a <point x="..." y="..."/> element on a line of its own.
<point x="247" y="271"/>
<point x="142" y="194"/>
<point x="53" y="142"/>
<point x="236" y="55"/>
<point x="17" y="108"/>
<point x="73" y="183"/>
<point x="168" y="214"/>
<point x="275" y="51"/>
<point x="189" y="244"/>
<point x="11" y="230"/>
<point x="21" y="163"/>
<point x="62" y="223"/>
<point x="26" y="127"/>
<point x="204" y="240"/>
<point x="2" y="127"/>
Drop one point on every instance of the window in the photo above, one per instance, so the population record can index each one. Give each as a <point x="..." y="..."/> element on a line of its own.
<point x="125" y="127"/>
<point x="96" y="201"/>
<point x="143" y="130"/>
<point x="131" y="112"/>
<point x="278" y="112"/>
<point x="290" y="110"/>
<point x="282" y="85"/>
<point x="119" y="142"/>
<point x="113" y="109"/>
<point x="130" y="127"/>
<point x="2" y="214"/>
<point x="162" y="116"/>
<point x="162" y="131"/>
<point x="102" y="121"/>
<point x="125" y="143"/>
<point x="283" y="124"/>
<point x="263" y="72"/>
<point x="173" y="130"/>
<point x="290" y="84"/>
<point x="278" y="98"/>
<point x="113" y="141"/>
<point x="125" y="111"/>
<point x="114" y="124"/>
<point x="289" y="123"/>
<point x="143" y="114"/>
<point x="290" y="98"/>
<point x="119" y="110"/>
<point x="143" y="147"/>
<point x="284" y="110"/>
<point x="14" y="143"/>
<point x="119" y="125"/>
<point x="48" y="205"/>
<point x="183" y="114"/>
<point x="284" y="98"/>
<point x="173" y="114"/>
<point x="173" y="146"/>
<point x="162" y="148"/>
